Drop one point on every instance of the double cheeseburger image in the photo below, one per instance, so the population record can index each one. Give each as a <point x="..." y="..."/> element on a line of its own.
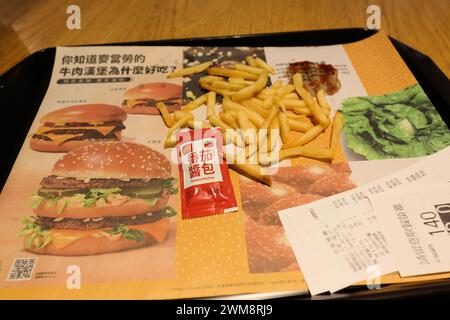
<point x="143" y="98"/>
<point x="102" y="197"/>
<point x="67" y="128"/>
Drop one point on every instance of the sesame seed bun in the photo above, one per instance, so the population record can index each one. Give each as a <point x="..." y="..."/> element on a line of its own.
<point x="92" y="113"/>
<point x="50" y="146"/>
<point x="154" y="90"/>
<point x="119" y="160"/>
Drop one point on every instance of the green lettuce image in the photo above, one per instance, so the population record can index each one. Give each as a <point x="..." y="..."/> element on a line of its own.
<point x="403" y="124"/>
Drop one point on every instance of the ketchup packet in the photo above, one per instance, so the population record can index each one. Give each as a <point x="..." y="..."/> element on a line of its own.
<point x="205" y="183"/>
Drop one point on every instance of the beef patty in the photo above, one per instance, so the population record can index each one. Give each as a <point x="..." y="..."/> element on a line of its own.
<point x="96" y="223"/>
<point x="55" y="182"/>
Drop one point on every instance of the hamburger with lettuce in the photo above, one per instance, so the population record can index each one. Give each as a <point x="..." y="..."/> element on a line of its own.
<point x="102" y="197"/>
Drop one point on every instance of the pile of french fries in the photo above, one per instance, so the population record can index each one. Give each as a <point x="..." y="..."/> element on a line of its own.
<point x="267" y="123"/>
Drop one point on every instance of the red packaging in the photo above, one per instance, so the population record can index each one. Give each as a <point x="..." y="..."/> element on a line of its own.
<point x="205" y="184"/>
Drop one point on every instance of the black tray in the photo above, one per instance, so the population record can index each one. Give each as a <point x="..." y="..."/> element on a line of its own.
<point x="23" y="87"/>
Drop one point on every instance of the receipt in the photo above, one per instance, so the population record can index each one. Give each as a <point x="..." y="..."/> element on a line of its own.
<point x="417" y="227"/>
<point x="338" y="240"/>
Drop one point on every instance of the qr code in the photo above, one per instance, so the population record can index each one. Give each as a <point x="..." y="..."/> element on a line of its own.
<point x="22" y="269"/>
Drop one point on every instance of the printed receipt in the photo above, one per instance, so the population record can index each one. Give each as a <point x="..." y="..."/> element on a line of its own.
<point x="417" y="225"/>
<point x="341" y="240"/>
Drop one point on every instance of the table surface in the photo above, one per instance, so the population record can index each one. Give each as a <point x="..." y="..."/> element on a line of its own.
<point x="30" y="25"/>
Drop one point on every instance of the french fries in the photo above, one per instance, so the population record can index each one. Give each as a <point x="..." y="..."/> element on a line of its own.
<point x="250" y="61"/>
<point x="168" y="120"/>
<point x="252" y="115"/>
<point x="190" y="70"/>
<point x="228" y="118"/>
<point x="316" y="110"/>
<point x="336" y="129"/>
<point x="308" y="136"/>
<point x="285" y="129"/>
<point x="170" y="142"/>
<point x="195" y="103"/>
<point x="249" y="69"/>
<point x="249" y="91"/>
<point x="253" y="170"/>
<point x="314" y="152"/>
<point x="298" y="125"/>
<point x="323" y="102"/>
<point x="262" y="64"/>
<point x="220" y="84"/>
<point x="210" y="104"/>
<point x="258" y="118"/>
<point x="225" y="72"/>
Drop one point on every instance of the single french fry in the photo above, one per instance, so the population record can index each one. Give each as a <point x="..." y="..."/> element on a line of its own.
<point x="222" y="92"/>
<point x="252" y="115"/>
<point x="195" y="103"/>
<point x="220" y="84"/>
<point x="285" y="130"/>
<point x="168" y="120"/>
<point x="228" y="118"/>
<point x="262" y="64"/>
<point x="292" y="115"/>
<point x="243" y="121"/>
<point x="277" y="84"/>
<point x="297" y="80"/>
<point x="228" y="132"/>
<point x="308" y="136"/>
<point x="267" y="91"/>
<point x="316" y="110"/>
<point x="253" y="171"/>
<point x="198" y="124"/>
<point x="225" y="72"/>
<point x="301" y="111"/>
<point x="249" y="91"/>
<point x="293" y="103"/>
<point x="267" y="121"/>
<point x="170" y="142"/>
<point x="268" y="102"/>
<point x="284" y="90"/>
<point x="250" y="61"/>
<point x="210" y="104"/>
<point x="323" y="103"/>
<point x="299" y="126"/>
<point x="274" y="138"/>
<point x="178" y="114"/>
<point x="314" y="152"/>
<point x="338" y="123"/>
<point x="210" y="79"/>
<point x="292" y="95"/>
<point x="256" y="101"/>
<point x="241" y="81"/>
<point x="249" y="69"/>
<point x="253" y="106"/>
<point x="190" y="70"/>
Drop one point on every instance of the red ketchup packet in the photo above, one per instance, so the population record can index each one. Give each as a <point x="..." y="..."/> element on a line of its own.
<point x="205" y="184"/>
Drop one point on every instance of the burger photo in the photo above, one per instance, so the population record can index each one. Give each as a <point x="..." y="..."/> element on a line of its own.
<point x="99" y="198"/>
<point x="143" y="98"/>
<point x="67" y="128"/>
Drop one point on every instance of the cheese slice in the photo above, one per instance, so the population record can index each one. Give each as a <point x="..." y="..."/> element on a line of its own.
<point x="104" y="130"/>
<point x="157" y="230"/>
<point x="62" y="238"/>
<point x="61" y="138"/>
<point x="134" y="102"/>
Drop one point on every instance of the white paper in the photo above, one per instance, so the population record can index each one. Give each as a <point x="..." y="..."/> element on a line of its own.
<point x="305" y="226"/>
<point x="417" y="226"/>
